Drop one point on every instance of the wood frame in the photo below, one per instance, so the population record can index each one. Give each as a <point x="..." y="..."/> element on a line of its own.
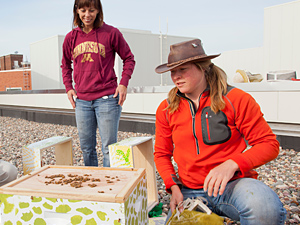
<point x="142" y="157"/>
<point x="15" y="189"/>
<point x="63" y="152"/>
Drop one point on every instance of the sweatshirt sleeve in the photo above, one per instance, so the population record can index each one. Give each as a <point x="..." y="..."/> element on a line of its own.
<point x="164" y="148"/>
<point x="66" y="62"/>
<point x="123" y="50"/>
<point x="251" y="123"/>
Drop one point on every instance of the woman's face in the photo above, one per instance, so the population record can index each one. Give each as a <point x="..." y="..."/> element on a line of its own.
<point x="88" y="15"/>
<point x="189" y="79"/>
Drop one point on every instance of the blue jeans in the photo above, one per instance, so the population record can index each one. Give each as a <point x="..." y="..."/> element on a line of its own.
<point x="246" y="200"/>
<point x="103" y="113"/>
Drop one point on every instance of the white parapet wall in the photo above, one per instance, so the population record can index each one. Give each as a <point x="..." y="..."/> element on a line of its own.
<point x="278" y="100"/>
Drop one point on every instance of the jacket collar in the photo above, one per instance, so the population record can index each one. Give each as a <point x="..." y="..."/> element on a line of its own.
<point x="205" y="93"/>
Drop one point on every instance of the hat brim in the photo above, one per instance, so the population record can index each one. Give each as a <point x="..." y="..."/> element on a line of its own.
<point x="165" y="68"/>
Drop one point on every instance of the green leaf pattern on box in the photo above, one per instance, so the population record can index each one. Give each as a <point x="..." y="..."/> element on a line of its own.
<point x="20" y="209"/>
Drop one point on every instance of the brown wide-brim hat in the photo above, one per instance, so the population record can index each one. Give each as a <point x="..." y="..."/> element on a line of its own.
<point x="183" y="52"/>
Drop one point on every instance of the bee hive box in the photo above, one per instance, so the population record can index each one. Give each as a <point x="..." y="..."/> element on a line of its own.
<point x="76" y="195"/>
<point x="137" y="152"/>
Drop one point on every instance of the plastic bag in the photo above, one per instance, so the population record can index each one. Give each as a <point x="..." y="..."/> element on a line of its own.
<point x="156" y="211"/>
<point x="188" y="217"/>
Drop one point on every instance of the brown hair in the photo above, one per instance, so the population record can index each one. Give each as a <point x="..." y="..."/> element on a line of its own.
<point x="217" y="81"/>
<point x="87" y="3"/>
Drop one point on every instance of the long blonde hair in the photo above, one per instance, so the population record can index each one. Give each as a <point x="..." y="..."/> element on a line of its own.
<point x="217" y="81"/>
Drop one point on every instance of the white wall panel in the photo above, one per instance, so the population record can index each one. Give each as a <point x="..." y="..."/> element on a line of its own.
<point x="45" y="64"/>
<point x="296" y="37"/>
<point x="134" y="103"/>
<point x="145" y="103"/>
<point x="287" y="37"/>
<point x="267" y="36"/>
<point x="59" y="101"/>
<point x="247" y="59"/>
<point x="148" y="54"/>
<point x="268" y="102"/>
<point x="289" y="107"/>
<point x="274" y="52"/>
<point x="152" y="101"/>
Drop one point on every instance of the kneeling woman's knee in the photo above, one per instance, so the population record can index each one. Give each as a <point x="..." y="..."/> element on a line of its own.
<point x="261" y="202"/>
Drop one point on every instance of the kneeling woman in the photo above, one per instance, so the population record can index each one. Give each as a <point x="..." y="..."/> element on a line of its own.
<point x="203" y="125"/>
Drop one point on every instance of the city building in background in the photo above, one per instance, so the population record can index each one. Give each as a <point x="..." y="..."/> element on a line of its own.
<point x="15" y="74"/>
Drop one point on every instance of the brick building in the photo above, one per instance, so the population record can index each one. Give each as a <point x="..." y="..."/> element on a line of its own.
<point x="15" y="80"/>
<point x="14" y="73"/>
<point x="10" y="62"/>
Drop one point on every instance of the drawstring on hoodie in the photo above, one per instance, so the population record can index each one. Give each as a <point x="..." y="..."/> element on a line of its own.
<point x="100" y="60"/>
<point x="75" y="32"/>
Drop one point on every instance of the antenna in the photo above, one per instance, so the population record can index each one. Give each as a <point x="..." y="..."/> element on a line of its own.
<point x="167" y="25"/>
<point x="161" y="46"/>
<point x="166" y="35"/>
<point x="161" y="52"/>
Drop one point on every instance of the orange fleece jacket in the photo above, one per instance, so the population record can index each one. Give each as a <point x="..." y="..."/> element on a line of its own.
<point x="201" y="140"/>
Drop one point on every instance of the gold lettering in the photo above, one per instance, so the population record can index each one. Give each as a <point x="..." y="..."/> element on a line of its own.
<point x="88" y="47"/>
<point x="83" y="48"/>
<point x="87" y="58"/>
<point x="101" y="50"/>
<point x="75" y="53"/>
<point x="79" y="50"/>
<point x="95" y="48"/>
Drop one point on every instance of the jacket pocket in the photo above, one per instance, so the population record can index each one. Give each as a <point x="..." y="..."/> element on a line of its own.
<point x="215" y="129"/>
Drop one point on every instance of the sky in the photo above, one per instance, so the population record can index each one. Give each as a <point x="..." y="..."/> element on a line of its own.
<point x="222" y="25"/>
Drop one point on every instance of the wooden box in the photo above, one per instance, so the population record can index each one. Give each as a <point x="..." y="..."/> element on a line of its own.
<point x="31" y="154"/>
<point x="137" y="152"/>
<point x="120" y="197"/>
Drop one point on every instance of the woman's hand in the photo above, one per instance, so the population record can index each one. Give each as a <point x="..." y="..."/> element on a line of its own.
<point x="176" y="198"/>
<point x="122" y="92"/>
<point x="219" y="176"/>
<point x="71" y="95"/>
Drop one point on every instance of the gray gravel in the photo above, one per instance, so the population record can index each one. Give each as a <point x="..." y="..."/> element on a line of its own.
<point x="282" y="174"/>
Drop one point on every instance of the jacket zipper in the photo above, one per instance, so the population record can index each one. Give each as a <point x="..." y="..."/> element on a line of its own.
<point x="193" y="125"/>
<point x="207" y="125"/>
<point x="193" y="111"/>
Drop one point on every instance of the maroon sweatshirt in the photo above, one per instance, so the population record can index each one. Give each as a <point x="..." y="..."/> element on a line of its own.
<point x="93" y="58"/>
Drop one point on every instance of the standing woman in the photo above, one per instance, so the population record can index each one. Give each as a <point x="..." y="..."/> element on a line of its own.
<point x="97" y="97"/>
<point x="203" y="125"/>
